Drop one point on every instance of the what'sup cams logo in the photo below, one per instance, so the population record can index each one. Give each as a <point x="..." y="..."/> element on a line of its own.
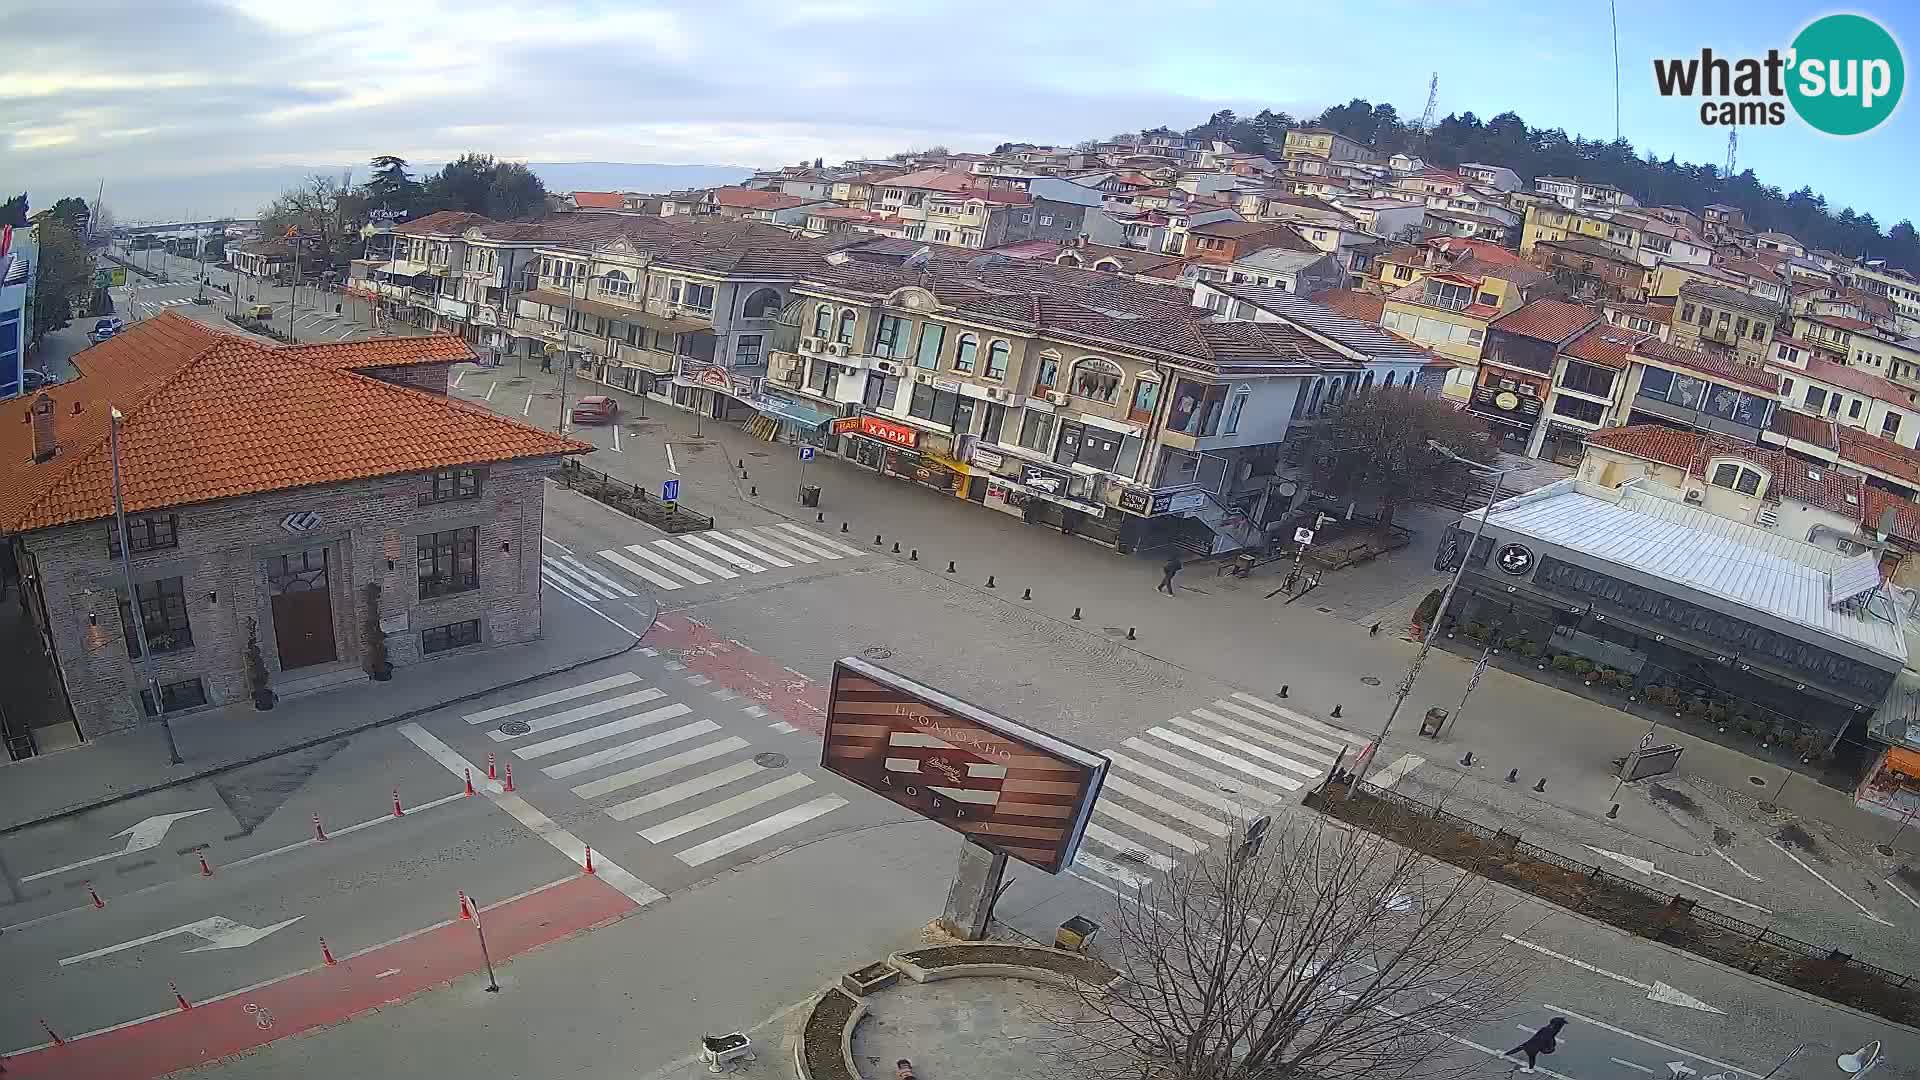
<point x="1843" y="75"/>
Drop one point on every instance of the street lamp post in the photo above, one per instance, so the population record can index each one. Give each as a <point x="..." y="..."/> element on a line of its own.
<point x="134" y="613"/>
<point x="566" y="362"/>
<point x="1446" y="598"/>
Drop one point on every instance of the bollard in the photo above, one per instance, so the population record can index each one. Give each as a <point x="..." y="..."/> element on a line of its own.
<point x="589" y="867"/>
<point x="205" y="870"/>
<point x="755" y="492"/>
<point x="97" y="902"/>
<point x="1513" y="776"/>
<point x="326" y="954"/>
<point x="1374" y="630"/>
<point x="1542" y="785"/>
<point x="1283" y="691"/>
<point x="1026" y="594"/>
<point x="1130" y="636"/>
<point x="397" y="812"/>
<point x="466" y="913"/>
<point x="469" y="781"/>
<point x="950" y="566"/>
<point x="51" y="1034"/>
<point x="490" y="772"/>
<point x="990" y="581"/>
<point x="509" y="784"/>
<point x="914" y="555"/>
<point x="843" y="526"/>
<point x="1336" y="710"/>
<point x="319" y="834"/>
<point x="876" y="542"/>
<point x="1076" y="613"/>
<point x="179" y="997"/>
<point x="743" y="464"/>
<point x="1613" y="814"/>
<point x="1466" y="760"/>
<point x="896" y="545"/>
<point x="743" y="474"/>
<point x="820" y="516"/>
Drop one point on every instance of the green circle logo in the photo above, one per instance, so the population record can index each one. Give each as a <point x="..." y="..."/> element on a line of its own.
<point x="1847" y="74"/>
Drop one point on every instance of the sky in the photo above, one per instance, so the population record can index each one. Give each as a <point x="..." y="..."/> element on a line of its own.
<point x="96" y="90"/>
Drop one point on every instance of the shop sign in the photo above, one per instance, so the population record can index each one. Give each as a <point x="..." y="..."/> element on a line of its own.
<point x="1179" y="502"/>
<point x="1515" y="559"/>
<point x="951" y="386"/>
<point x="844" y="426"/>
<point x="713" y="376"/>
<point x="988" y="459"/>
<point x="1052" y="483"/>
<point x="1135" y="501"/>
<point x="936" y="443"/>
<point x="898" y="434"/>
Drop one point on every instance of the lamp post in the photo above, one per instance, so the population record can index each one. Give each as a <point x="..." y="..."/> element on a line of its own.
<point x="1446" y="598"/>
<point x="134" y="612"/>
<point x="566" y="362"/>
<point x="1861" y="1061"/>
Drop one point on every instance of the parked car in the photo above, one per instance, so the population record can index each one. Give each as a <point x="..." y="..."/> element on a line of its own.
<point x="595" y="410"/>
<point x="260" y="311"/>
<point x="107" y="327"/>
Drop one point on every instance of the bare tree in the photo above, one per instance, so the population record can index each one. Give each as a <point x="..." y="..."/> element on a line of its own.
<point x="1327" y="953"/>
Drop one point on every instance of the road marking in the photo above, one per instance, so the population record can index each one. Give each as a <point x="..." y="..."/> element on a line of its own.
<point x="726" y="808"/>
<point x="1107" y="869"/>
<point x="693" y="557"/>
<point x="217" y="931"/>
<point x="461" y="377"/>
<point x="641" y="774"/>
<point x="795" y="539"/>
<point x="1903" y="893"/>
<point x="686" y="789"/>
<point x="749" y="550"/>
<point x="642" y="572"/>
<point x="599" y="578"/>
<point x="1107" y="838"/>
<point x="1395" y="772"/>
<point x="816" y="538"/>
<point x="501" y="712"/>
<point x="1630" y="1065"/>
<point x="717" y="551"/>
<point x="657" y="559"/>
<point x="587" y="762"/>
<point x="583" y="712"/>
<point x="1645" y="866"/>
<point x="1871" y="917"/>
<point x="1285" y="783"/>
<point x="760" y="830"/>
<point x="773" y="541"/>
<point x="1120" y="785"/>
<point x="1656" y="990"/>
<point x="603" y="731"/>
<point x="1142" y="823"/>
<point x="1728" y="859"/>
<point x="1302" y="719"/>
<point x="781" y="727"/>
<point x="1307" y="752"/>
<point x="1564" y="1011"/>
<point x="616" y="439"/>
<point x="492" y="386"/>
<point x="387" y="973"/>
<point x="1327" y="744"/>
<point x="1239" y="811"/>
<point x="1311" y="772"/>
<point x="543" y="826"/>
<point x="144" y="834"/>
<point x="527" y="409"/>
<point x="671" y="467"/>
<point x="1229" y="784"/>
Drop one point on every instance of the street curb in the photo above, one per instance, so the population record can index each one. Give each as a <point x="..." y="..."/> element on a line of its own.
<point x="342" y="733"/>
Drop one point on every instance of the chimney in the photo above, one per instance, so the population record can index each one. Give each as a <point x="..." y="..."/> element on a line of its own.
<point x="40" y="415"/>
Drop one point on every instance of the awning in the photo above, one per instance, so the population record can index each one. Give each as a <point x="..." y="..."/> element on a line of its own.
<point x="403" y="268"/>
<point x="792" y="411"/>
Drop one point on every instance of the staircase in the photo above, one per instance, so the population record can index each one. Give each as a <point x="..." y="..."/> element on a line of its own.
<point x="1231" y="530"/>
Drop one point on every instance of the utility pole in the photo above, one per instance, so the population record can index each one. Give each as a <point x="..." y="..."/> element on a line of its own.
<point x="134" y="612"/>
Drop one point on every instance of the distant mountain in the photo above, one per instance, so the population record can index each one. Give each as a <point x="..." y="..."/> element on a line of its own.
<point x="242" y="192"/>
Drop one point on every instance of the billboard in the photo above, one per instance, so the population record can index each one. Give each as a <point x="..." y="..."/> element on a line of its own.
<point x="1004" y="785"/>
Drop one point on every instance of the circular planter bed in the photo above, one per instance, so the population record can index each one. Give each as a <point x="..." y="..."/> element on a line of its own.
<point x="985" y="958"/>
<point x="822" y="1053"/>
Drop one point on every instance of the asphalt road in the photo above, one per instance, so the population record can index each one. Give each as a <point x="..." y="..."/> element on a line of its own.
<point x="309" y="314"/>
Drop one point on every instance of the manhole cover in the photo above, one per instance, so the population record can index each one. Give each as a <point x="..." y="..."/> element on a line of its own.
<point x="770" y="761"/>
<point x="515" y="727"/>
<point x="1757" y="781"/>
<point x="1132" y="856"/>
<point x="1324" y="610"/>
<point x="1370" y="680"/>
<point x="876" y="652"/>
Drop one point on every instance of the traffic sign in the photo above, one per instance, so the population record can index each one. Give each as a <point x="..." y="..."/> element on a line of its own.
<point x="670" y="491"/>
<point x="806" y="453"/>
<point x="1303" y="536"/>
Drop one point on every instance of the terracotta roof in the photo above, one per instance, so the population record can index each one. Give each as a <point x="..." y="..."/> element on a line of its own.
<point x="1708" y="364"/>
<point x="1800" y="427"/>
<point x="1237" y="229"/>
<point x="382" y="352"/>
<point x="1352" y="303"/>
<point x="1606" y="345"/>
<point x="1859" y="380"/>
<point x="1906" y="514"/>
<point x="739" y="198"/>
<point x="1552" y="321"/>
<point x="442" y="223"/>
<point x="1651" y="441"/>
<point x="599" y="200"/>
<point x="1722" y="296"/>
<point x="1844" y="322"/>
<point x="213" y="416"/>
<point x="934" y="179"/>
<point x="1883" y="455"/>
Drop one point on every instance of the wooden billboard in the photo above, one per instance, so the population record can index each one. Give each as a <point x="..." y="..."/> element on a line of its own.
<point x="1002" y="784"/>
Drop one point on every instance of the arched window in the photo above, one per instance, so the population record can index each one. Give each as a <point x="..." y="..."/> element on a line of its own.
<point x="1146" y="398"/>
<point x="964" y="352"/>
<point x="1096" y="379"/>
<point x="997" y="360"/>
<point x="1366" y="384"/>
<point x="1388" y="384"/>
<point x="616" y="283"/>
<point x="845" y="336"/>
<point x="1111" y="266"/>
<point x="1313" y="400"/>
<point x="763" y="304"/>
<point x="823" y="320"/>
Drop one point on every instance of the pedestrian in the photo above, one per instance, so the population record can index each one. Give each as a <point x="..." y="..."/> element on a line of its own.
<point x="1173" y="566"/>
<point x="1544" y="1041"/>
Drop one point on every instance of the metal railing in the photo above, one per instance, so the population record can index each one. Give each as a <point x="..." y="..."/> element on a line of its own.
<point x="636" y="501"/>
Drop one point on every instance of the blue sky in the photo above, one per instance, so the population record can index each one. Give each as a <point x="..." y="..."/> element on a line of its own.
<point x="112" y="88"/>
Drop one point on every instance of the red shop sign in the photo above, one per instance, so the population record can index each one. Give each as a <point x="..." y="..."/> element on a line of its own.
<point x="897" y="434"/>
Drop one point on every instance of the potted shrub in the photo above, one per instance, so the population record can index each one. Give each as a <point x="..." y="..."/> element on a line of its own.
<point x="1424" y="614"/>
<point x="1478" y="631"/>
<point x="1530" y="649"/>
<point x="378" y="666"/>
<point x="1716" y="713"/>
<point x="263" y="696"/>
<point x="1583" y="668"/>
<point x="1563" y="663"/>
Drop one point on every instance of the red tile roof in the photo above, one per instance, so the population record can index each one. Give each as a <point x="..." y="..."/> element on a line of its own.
<point x="1707" y="364"/>
<point x="1551" y="321"/>
<point x="1651" y="441"/>
<point x="599" y="200"/>
<point x="1352" y="303"/>
<point x="1859" y="380"/>
<point x="1609" y="346"/>
<point x="213" y="416"/>
<point x="1906" y="514"/>
<point x="442" y="223"/>
<point x="739" y="198"/>
<point x="382" y="352"/>
<point x="1883" y="455"/>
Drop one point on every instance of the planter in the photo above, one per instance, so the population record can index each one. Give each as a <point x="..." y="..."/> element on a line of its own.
<point x="869" y="979"/>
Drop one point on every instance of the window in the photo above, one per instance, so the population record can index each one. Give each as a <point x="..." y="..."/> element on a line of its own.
<point x="163" y="614"/>
<point x="1786" y="388"/>
<point x="1450" y="296"/>
<point x="698" y="298"/>
<point x="1656" y="382"/>
<point x="1489" y="299"/>
<point x="818" y="373"/>
<point x="1146" y="396"/>
<point x="845" y="336"/>
<point x="763" y="304"/>
<point x="1097" y="379"/>
<point x="1588" y="412"/>
<point x="1036" y="431"/>
<point x="1816" y="398"/>
<point x="1706" y="316"/>
<point x="1686" y="313"/>
<point x="746" y="350"/>
<point x="963" y="353"/>
<point x="1046" y="219"/>
<point x="997" y="360"/>
<point x="449" y="562"/>
<point x="996" y="418"/>
<point x="451" y="636"/>
<point x="616" y="283"/>
<point x="1741" y="327"/>
<point x="174" y="696"/>
<point x="1048" y="373"/>
<point x="453" y="485"/>
<point x="1890" y="426"/>
<point x="936" y="406"/>
<point x="1759" y="331"/>
<point x="942" y="236"/>
<point x="1587" y="379"/>
<point x="1236" y="405"/>
<point x="152" y="533"/>
<point x="823" y="321"/>
<point x="889" y="338"/>
<point x="1730" y="475"/>
<point x="1853" y="409"/>
<point x="932" y="336"/>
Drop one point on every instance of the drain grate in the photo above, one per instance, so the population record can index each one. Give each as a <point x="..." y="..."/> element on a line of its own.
<point x="1370" y="680"/>
<point x="876" y="652"/>
<point x="770" y="760"/>
<point x="515" y="727"/>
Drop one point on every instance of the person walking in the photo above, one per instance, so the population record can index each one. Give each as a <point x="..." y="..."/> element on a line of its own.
<point x="1544" y="1041"/>
<point x="1173" y="566"/>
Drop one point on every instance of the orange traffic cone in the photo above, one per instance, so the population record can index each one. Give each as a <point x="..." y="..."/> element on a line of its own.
<point x="466" y="913"/>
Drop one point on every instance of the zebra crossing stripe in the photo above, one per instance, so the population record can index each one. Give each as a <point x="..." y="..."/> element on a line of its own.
<point x="603" y="731"/>
<point x="624" y="751"/>
<point x="603" y="580"/>
<point x="1120" y="785"/>
<point x="1113" y="841"/>
<point x="1396" y="772"/>
<point x="772" y="825"/>
<point x="681" y="553"/>
<point x="1302" y="719"/>
<point x="771" y="543"/>
<point x="749" y="550"/>
<point x="1311" y="753"/>
<point x="1265" y="776"/>
<point x="726" y="808"/>
<point x="541" y="701"/>
<point x="577" y="580"/>
<point x="714" y="549"/>
<point x="662" y="767"/>
<point x="658" y="560"/>
<point x="1113" y="871"/>
<point x="1232" y="785"/>
<point x="1326" y="744"/>
<point x="645" y="574"/>
<point x="582" y="712"/>
<point x="1247" y="748"/>
<point x="1238" y="811"/>
<point x="794" y="538"/>
<point x="566" y="587"/>
<point x="686" y="789"/>
<point x="815" y="538"/>
<point x="1173" y="838"/>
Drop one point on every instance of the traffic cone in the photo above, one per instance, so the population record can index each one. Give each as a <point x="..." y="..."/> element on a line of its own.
<point x="490" y="775"/>
<point x="589" y="867"/>
<point x="97" y="902"/>
<point x="179" y="997"/>
<point x="326" y="954"/>
<point x="397" y="811"/>
<point x="319" y="834"/>
<point x="509" y="784"/>
<point x="205" y="870"/>
<point x="469" y="781"/>
<point x="466" y="913"/>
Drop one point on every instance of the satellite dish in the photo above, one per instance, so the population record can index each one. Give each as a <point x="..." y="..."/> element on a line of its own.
<point x="919" y="259"/>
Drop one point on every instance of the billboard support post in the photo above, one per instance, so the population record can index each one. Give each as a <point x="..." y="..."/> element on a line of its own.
<point x="976" y="885"/>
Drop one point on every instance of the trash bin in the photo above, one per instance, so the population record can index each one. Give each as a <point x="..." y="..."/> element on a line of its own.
<point x="1075" y="934"/>
<point x="809" y="494"/>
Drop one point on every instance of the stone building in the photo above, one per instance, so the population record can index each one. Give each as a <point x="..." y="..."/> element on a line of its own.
<point x="316" y="496"/>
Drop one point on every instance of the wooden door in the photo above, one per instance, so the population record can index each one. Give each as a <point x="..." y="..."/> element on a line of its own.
<point x="302" y="608"/>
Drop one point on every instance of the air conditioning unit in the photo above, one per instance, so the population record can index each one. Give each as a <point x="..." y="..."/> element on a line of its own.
<point x="810" y="344"/>
<point x="888" y="367"/>
<point x="1057" y="397"/>
<point x="1694" y="495"/>
<point x="922" y="377"/>
<point x="841" y="348"/>
<point x="996" y="393"/>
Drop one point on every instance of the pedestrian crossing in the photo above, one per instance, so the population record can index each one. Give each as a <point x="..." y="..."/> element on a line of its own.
<point x="690" y="559"/>
<point x="680" y="780"/>
<point x="1195" y="781"/>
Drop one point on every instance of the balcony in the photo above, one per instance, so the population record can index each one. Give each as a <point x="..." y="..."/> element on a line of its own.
<point x="1505" y="406"/>
<point x="652" y="360"/>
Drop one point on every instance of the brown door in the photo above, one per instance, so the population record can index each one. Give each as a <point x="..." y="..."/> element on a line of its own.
<point x="302" y="608"/>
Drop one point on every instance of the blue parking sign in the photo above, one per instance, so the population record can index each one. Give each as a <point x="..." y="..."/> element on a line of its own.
<point x="806" y="453"/>
<point x="670" y="491"/>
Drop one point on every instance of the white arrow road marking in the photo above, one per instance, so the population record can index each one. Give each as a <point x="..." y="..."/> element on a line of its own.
<point x="1871" y="917"/>
<point x="1744" y="872"/>
<point x="1679" y="1069"/>
<point x="1656" y="990"/>
<point x="218" y="933"/>
<point x="1730" y="1070"/>
<point x="147" y="833"/>
<point x="1645" y="866"/>
<point x="1631" y="1065"/>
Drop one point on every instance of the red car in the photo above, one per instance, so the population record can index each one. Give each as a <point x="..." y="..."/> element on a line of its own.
<point x="595" y="410"/>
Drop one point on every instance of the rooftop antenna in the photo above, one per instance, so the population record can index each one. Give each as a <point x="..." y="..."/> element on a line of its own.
<point x="1613" y="16"/>
<point x="1733" y="151"/>
<point x="1433" y="102"/>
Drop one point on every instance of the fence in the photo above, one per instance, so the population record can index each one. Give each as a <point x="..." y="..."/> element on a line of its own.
<point x="634" y="501"/>
<point x="1629" y="905"/>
